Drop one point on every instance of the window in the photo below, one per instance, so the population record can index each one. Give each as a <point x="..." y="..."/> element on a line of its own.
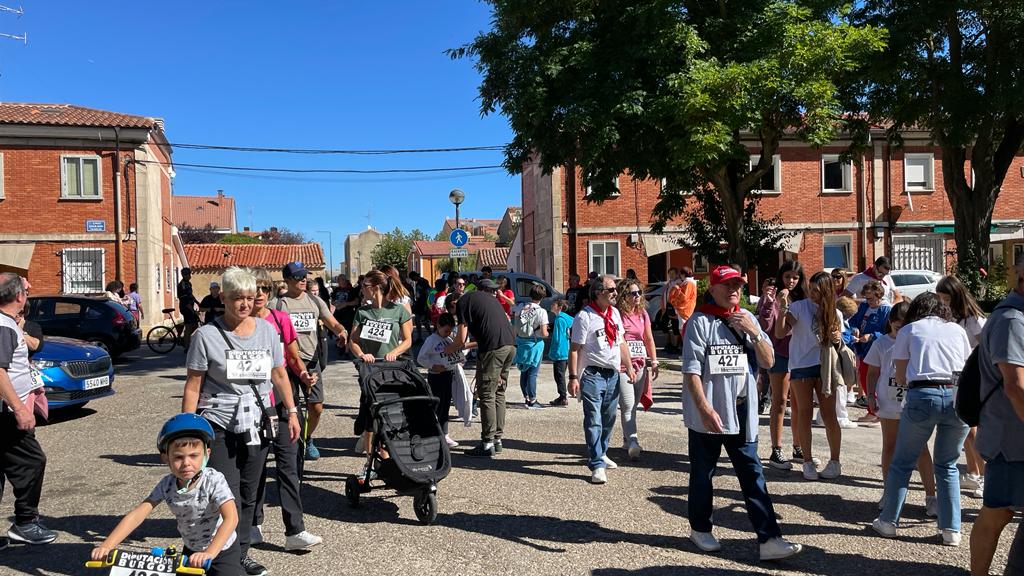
<point x="615" y="181"/>
<point x="700" y="263"/>
<point x="836" y="175"/>
<point x="664" y="189"/>
<point x="83" y="270"/>
<point x="168" y="276"/>
<point x="919" y="171"/>
<point x="995" y="254"/>
<point x="771" y="182"/>
<point x="159" y="277"/>
<point x="604" y="257"/>
<point x="524" y="285"/>
<point x="80" y="177"/>
<point x="837" y="252"/>
<point x="66" y="310"/>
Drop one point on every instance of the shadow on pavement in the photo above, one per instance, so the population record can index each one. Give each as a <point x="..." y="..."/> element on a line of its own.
<point x="147" y="459"/>
<point x="66" y="415"/>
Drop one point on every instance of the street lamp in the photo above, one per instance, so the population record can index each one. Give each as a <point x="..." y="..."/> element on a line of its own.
<point x="330" y="252"/>
<point x="456" y="197"/>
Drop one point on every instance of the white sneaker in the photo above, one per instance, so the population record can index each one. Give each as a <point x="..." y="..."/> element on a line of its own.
<point x="832" y="470"/>
<point x="451" y="443"/>
<point x="598" y="476"/>
<point x="706" y="541"/>
<point x="256" y="535"/>
<point x="810" y="471"/>
<point x="634" y="449"/>
<point x="851" y="398"/>
<point x="779" y="548"/>
<point x="846" y="424"/>
<point x="883" y="528"/>
<point x="950" y="537"/>
<point x="302" y="541"/>
<point x="931" y="507"/>
<point x="609" y="463"/>
<point x="970" y="482"/>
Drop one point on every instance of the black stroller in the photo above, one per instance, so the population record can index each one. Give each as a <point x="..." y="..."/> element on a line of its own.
<point x="404" y="423"/>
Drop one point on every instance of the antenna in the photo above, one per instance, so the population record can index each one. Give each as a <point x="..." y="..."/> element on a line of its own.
<point x="369" y="217"/>
<point x="20" y="12"/>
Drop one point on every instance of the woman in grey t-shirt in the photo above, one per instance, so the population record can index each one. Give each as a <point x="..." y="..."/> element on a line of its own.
<point x="228" y="360"/>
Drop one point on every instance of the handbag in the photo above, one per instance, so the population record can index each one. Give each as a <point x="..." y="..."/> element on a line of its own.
<point x="268" y="426"/>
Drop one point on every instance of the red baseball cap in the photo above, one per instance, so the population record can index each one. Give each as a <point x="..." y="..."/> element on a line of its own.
<point x="723" y="274"/>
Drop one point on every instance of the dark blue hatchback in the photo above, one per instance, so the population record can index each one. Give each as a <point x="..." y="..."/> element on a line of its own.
<point x="73" y="372"/>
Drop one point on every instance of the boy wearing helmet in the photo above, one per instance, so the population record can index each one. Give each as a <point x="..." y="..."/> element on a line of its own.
<point x="199" y="497"/>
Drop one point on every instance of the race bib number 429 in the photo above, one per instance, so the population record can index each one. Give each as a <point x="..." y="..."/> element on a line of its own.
<point x="727" y="359"/>
<point x="304" y="322"/>
<point x="248" y="364"/>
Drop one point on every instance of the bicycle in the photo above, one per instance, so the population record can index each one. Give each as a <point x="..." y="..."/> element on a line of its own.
<point x="162" y="339"/>
<point x="157" y="562"/>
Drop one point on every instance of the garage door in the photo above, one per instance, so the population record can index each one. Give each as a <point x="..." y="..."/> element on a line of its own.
<point x="918" y="252"/>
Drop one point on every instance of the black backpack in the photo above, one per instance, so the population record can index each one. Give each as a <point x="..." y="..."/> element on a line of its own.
<point x="968" y="395"/>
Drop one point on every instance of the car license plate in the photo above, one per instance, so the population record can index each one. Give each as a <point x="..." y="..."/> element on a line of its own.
<point x="99" y="382"/>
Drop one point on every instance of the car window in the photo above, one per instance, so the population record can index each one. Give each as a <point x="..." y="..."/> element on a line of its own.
<point x="40" y="309"/>
<point x="93" y="313"/>
<point x="524" y="285"/>
<point x="67" y="310"/>
<point x="902" y="279"/>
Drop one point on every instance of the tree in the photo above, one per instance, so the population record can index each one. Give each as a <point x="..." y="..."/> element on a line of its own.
<point x="238" y="239"/>
<point x="955" y="69"/>
<point x="283" y="236"/>
<point x="666" y="89"/>
<point x="394" y="248"/>
<point x="204" y="235"/>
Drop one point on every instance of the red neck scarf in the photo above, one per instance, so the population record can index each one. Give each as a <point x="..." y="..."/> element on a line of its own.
<point x="716" y="310"/>
<point x="871" y="272"/>
<point x="611" y="329"/>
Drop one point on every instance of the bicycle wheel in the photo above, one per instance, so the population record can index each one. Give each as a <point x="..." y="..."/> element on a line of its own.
<point x="161" y="339"/>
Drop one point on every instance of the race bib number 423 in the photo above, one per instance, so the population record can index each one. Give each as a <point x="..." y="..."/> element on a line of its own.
<point x="304" y="322"/>
<point x="727" y="359"/>
<point x="248" y="364"/>
<point x="376" y="331"/>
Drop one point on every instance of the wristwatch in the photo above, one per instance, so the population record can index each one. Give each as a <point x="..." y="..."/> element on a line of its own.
<point x="755" y="339"/>
<point x="293" y="410"/>
<point x="573" y="377"/>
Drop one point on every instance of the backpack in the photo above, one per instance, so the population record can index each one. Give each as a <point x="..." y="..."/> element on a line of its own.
<point x="524" y="321"/>
<point x="968" y="401"/>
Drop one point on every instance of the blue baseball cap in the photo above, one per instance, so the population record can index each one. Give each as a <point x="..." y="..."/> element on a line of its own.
<point x="294" y="270"/>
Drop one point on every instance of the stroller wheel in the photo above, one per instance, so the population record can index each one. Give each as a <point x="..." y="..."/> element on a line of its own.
<point x="352" y="491"/>
<point x="425" y="505"/>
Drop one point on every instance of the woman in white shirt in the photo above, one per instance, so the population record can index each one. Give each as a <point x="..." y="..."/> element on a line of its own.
<point x="815" y="323"/>
<point x="929" y="355"/>
<point x="971" y="318"/>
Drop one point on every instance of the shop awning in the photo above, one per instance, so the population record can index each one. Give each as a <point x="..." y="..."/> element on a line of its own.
<point x="655" y="244"/>
<point x="16" y="257"/>
<point x="793" y="243"/>
<point x="1001" y="234"/>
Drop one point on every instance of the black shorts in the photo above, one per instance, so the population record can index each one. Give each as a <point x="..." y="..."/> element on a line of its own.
<point x="316" y="393"/>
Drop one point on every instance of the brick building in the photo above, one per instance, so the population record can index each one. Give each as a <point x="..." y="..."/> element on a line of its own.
<point x="86" y="199"/>
<point x="427" y="256"/>
<point x="217" y="212"/>
<point x="845" y="215"/>
<point x="209" y="261"/>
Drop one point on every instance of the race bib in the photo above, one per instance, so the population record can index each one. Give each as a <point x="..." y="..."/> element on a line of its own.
<point x="248" y="364"/>
<point x="602" y="340"/>
<point x="727" y="360"/>
<point x="376" y="331"/>
<point x="142" y="564"/>
<point x="304" y="322"/>
<point x="37" y="378"/>
<point x="895" y="392"/>
<point x="637" y="349"/>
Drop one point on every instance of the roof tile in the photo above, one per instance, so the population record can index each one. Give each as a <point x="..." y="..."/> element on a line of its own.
<point x="69" y="115"/>
<point x="220" y="256"/>
<point x="198" y="211"/>
<point x="496" y="258"/>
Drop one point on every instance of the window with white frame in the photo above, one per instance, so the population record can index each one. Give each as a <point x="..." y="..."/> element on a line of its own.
<point x="700" y="263"/>
<point x="82" y="270"/>
<point x="604" y="257"/>
<point x="159" y="279"/>
<point x="836" y="174"/>
<point x="771" y="182"/>
<point x="837" y="251"/>
<point x="666" y="190"/>
<point x="80" y="177"/>
<point x="919" y="171"/>
<point x="615" y="181"/>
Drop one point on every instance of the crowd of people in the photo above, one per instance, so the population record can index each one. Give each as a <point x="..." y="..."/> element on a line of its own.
<point x="255" y="368"/>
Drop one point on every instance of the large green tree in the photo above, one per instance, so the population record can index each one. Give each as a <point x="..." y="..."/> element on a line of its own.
<point x="666" y="89"/>
<point x="955" y="68"/>
<point x="394" y="248"/>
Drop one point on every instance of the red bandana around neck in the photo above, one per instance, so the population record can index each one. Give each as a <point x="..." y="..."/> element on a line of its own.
<point x="716" y="310"/>
<point x="871" y="273"/>
<point x="611" y="329"/>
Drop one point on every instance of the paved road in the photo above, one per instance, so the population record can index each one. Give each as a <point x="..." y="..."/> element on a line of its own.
<point x="531" y="511"/>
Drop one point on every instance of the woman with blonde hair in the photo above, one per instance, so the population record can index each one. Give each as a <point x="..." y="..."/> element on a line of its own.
<point x="643" y="356"/>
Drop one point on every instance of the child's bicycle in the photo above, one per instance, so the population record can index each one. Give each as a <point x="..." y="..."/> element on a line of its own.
<point x="157" y="562"/>
<point x="162" y="339"/>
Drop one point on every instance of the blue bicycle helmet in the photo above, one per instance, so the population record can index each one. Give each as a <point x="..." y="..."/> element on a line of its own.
<point x="185" y="424"/>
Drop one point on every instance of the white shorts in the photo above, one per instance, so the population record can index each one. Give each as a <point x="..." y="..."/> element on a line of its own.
<point x="890" y="400"/>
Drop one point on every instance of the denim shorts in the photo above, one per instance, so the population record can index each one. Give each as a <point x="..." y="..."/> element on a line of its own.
<point x="781" y="365"/>
<point x="804" y="373"/>
<point x="1004" y="484"/>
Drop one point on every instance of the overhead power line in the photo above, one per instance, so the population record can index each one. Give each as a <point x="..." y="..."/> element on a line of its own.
<point x="322" y="170"/>
<point x="371" y="152"/>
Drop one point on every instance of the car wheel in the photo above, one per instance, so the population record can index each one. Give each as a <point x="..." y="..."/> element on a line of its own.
<point x="101" y="344"/>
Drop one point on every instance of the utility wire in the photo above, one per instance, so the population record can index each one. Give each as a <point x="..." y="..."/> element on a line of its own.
<point x="322" y="170"/>
<point x="370" y="152"/>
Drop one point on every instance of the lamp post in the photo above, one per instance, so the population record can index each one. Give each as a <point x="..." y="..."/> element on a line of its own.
<point x="456" y="197"/>
<point x="330" y="252"/>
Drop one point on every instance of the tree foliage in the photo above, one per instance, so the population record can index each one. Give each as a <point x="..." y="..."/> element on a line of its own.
<point x="705" y="231"/>
<point x="238" y="239"/>
<point x="674" y="89"/>
<point x="283" y="236"/>
<point x="204" y="235"/>
<point x="953" y="68"/>
<point x="394" y="248"/>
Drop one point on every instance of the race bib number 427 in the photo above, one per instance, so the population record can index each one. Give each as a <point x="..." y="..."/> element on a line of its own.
<point x="248" y="364"/>
<point x="727" y="359"/>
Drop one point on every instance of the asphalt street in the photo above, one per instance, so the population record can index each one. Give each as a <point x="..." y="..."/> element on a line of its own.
<point x="531" y="510"/>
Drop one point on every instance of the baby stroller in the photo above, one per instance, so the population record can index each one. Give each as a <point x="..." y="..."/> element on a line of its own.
<point x="405" y="425"/>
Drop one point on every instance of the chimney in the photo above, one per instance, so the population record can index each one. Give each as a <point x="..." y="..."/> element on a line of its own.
<point x="245" y="228"/>
<point x="220" y="193"/>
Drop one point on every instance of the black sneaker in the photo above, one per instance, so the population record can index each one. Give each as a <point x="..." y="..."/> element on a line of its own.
<point x="481" y="450"/>
<point x="252" y="567"/>
<point x="560" y="401"/>
<point x="778" y="462"/>
<point x="798" y="454"/>
<point x="763" y="405"/>
<point x="497" y="445"/>
<point x="4" y="543"/>
<point x="31" y="533"/>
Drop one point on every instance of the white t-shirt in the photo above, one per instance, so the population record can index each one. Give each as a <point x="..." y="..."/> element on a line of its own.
<point x="856" y="284"/>
<point x="588" y="332"/>
<point x="432" y="353"/>
<point x="198" y="510"/>
<point x="935" y="349"/>
<point x="805" y="344"/>
<point x="890" y="396"/>
<point x="529" y="317"/>
<point x="973" y="327"/>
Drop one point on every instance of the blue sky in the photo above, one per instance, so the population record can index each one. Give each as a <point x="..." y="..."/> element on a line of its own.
<point x="310" y="74"/>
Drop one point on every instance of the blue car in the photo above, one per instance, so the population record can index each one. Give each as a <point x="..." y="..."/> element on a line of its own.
<point x="73" y="372"/>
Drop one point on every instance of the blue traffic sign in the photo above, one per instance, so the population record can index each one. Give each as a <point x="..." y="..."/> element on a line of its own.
<point x="458" y="238"/>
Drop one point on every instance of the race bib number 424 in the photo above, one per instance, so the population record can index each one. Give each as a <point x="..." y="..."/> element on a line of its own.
<point x="727" y="359"/>
<point x="248" y="364"/>
<point x="376" y="331"/>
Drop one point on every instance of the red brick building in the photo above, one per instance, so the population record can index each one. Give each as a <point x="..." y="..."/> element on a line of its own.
<point x="209" y="261"/>
<point x="841" y="215"/>
<point x="86" y="199"/>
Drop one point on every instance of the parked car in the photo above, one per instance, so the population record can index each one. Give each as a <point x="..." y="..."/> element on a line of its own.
<point x="73" y="372"/>
<point x="521" y="284"/>
<point x="910" y="283"/>
<point x="103" y="323"/>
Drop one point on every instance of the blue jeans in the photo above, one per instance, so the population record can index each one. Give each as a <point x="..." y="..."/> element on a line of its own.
<point x="704" y="452"/>
<point x="599" y="391"/>
<point x="925" y="410"/>
<point x="528" y="382"/>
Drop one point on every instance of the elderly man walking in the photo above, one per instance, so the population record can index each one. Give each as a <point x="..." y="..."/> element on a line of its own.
<point x="719" y="408"/>
<point x="595" y="359"/>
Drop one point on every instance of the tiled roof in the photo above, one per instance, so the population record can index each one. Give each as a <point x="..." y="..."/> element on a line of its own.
<point x="496" y="258"/>
<point x="433" y="248"/>
<point x="475" y="226"/>
<point x="220" y="256"/>
<point x="198" y="211"/>
<point x="69" y="115"/>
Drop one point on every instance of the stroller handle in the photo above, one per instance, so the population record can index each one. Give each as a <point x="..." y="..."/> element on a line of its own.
<point x="379" y="405"/>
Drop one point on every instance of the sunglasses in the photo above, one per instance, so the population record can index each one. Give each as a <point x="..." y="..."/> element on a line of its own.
<point x="838" y="276"/>
<point x="609" y="290"/>
<point x="265" y="288"/>
<point x="634" y="293"/>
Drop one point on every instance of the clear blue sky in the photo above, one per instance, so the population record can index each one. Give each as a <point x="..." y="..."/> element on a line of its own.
<point x="311" y="74"/>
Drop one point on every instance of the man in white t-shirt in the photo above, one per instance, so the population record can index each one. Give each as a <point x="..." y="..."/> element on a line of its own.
<point x="597" y="347"/>
<point x="879" y="271"/>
